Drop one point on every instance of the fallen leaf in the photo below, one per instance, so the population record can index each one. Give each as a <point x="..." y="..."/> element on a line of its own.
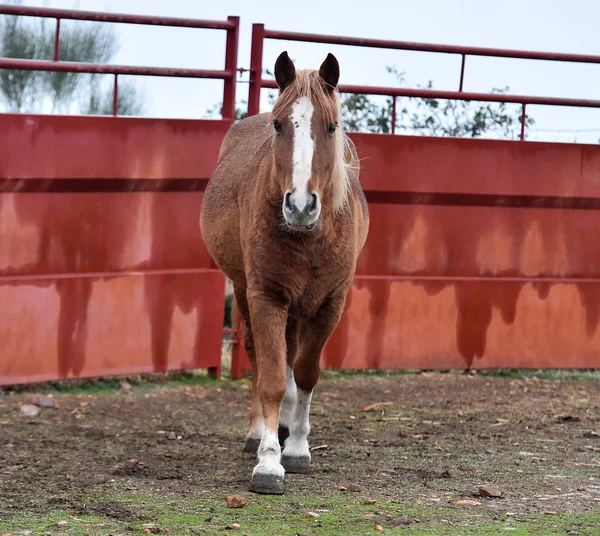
<point x="29" y="410"/>
<point x="126" y="386"/>
<point x="590" y="434"/>
<point x="500" y="420"/>
<point x="370" y="501"/>
<point x="490" y="491"/>
<point x="470" y="502"/>
<point x="354" y="487"/>
<point x="236" y="526"/>
<point x="146" y="531"/>
<point x="342" y="488"/>
<point x="376" y="406"/>
<point x="62" y="522"/>
<point x="236" y="501"/>
<point x="312" y="514"/>
<point x="550" y="513"/>
<point x="378" y="528"/>
<point x="352" y="417"/>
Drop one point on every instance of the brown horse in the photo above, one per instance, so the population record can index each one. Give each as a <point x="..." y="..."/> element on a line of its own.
<point x="285" y="217"/>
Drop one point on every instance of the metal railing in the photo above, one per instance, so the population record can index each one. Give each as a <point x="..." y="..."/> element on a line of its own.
<point x="228" y="74"/>
<point x="259" y="34"/>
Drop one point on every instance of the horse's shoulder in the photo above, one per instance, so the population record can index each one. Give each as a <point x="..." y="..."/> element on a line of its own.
<point x="248" y="129"/>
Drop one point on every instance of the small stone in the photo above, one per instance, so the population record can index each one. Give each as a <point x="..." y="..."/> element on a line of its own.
<point x="354" y="487"/>
<point x="171" y="436"/>
<point x="490" y="491"/>
<point x="62" y="522"/>
<point x="236" y="501"/>
<point x="45" y="402"/>
<point x="236" y="526"/>
<point x="29" y="410"/>
<point x="312" y="514"/>
<point x="378" y="528"/>
<point x="370" y="501"/>
<point x="590" y="434"/>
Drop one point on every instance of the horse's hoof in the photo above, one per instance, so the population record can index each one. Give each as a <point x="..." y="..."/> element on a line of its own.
<point x="251" y="445"/>
<point x="266" y="484"/>
<point x="284" y="433"/>
<point x="296" y="464"/>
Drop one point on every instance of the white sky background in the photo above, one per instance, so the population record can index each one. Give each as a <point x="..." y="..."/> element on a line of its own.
<point x="544" y="25"/>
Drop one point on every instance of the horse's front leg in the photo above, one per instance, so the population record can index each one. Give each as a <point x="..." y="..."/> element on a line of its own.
<point x="268" y="318"/>
<point x="314" y="333"/>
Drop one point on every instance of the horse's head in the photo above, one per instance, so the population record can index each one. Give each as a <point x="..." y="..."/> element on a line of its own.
<point x="309" y="151"/>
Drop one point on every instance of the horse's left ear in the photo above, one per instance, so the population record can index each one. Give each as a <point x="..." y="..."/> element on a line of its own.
<point x="330" y="71"/>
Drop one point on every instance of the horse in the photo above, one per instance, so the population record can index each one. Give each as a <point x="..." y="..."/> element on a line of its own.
<point x="284" y="217"/>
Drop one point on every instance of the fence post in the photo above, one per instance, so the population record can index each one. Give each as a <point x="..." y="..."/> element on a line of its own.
<point x="256" y="57"/>
<point x="231" y="53"/>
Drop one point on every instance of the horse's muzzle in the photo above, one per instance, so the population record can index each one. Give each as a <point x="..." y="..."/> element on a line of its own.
<point x="304" y="216"/>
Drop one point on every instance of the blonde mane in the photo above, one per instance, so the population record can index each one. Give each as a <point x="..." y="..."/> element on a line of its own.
<point x="309" y="84"/>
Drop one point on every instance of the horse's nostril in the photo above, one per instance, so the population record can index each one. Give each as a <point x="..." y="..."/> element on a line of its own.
<point x="314" y="205"/>
<point x="287" y="202"/>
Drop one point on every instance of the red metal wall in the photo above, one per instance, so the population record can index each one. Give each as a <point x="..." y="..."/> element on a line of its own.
<point x="480" y="254"/>
<point x="102" y="265"/>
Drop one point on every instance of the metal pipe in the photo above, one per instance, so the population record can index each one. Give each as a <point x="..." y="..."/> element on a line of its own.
<point x="116" y="96"/>
<point x="96" y="16"/>
<point x="394" y="115"/>
<point x="256" y="82"/>
<point x="456" y="95"/>
<point x="57" y="40"/>
<point x="462" y="72"/>
<point x="426" y="47"/>
<point x="231" y="53"/>
<point x="523" y="108"/>
<point x="77" y="67"/>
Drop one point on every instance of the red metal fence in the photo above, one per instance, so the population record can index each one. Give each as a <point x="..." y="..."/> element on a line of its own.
<point x="102" y="265"/>
<point x="480" y="252"/>
<point x="259" y="34"/>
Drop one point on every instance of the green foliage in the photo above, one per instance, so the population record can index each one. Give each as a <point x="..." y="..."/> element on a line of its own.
<point x="29" y="91"/>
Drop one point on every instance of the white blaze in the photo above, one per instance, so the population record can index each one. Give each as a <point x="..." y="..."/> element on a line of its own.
<point x="304" y="147"/>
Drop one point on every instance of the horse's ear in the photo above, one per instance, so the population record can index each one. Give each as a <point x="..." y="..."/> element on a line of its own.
<point x="330" y="71"/>
<point x="285" y="72"/>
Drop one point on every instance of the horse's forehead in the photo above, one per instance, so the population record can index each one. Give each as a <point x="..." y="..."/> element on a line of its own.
<point x="302" y="109"/>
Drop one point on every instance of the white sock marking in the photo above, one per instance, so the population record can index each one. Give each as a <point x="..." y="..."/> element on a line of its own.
<point x="304" y="147"/>
<point x="297" y="444"/>
<point x="289" y="400"/>
<point x="269" y="455"/>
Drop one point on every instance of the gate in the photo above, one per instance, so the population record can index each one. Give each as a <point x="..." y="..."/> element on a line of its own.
<point x="481" y="253"/>
<point x="102" y="266"/>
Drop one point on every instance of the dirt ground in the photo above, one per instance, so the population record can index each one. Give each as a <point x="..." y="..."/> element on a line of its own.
<point x="432" y="441"/>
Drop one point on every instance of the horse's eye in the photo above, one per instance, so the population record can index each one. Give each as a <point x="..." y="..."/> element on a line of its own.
<point x="331" y="129"/>
<point x="277" y="126"/>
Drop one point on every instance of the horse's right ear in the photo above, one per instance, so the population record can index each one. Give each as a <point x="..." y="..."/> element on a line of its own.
<point x="285" y="72"/>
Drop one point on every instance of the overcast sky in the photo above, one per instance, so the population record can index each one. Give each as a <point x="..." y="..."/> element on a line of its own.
<point x="544" y="25"/>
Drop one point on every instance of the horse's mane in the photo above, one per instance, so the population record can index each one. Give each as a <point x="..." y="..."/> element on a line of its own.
<point x="309" y="84"/>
